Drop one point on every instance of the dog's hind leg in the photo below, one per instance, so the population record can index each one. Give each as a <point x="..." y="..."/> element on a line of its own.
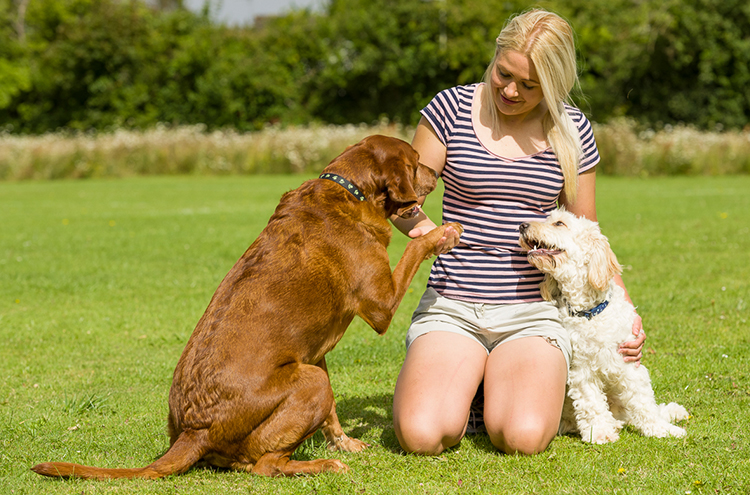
<point x="641" y="410"/>
<point x="304" y="409"/>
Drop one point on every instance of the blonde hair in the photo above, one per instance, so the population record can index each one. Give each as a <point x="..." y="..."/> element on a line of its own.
<point x="547" y="40"/>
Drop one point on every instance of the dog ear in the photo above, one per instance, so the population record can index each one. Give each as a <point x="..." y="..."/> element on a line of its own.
<point x="400" y="187"/>
<point x="603" y="265"/>
<point x="549" y="288"/>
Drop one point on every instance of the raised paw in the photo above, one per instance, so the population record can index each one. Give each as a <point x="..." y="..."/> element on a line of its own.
<point x="445" y="237"/>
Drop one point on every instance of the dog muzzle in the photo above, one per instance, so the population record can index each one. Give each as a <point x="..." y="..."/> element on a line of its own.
<point x="411" y="213"/>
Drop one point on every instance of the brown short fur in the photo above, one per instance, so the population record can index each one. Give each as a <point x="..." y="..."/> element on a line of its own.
<point x="252" y="384"/>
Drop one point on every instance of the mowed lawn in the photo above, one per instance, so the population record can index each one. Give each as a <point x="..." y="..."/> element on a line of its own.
<point x="102" y="282"/>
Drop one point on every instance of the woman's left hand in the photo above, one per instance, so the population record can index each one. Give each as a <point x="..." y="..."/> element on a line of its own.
<point x="632" y="351"/>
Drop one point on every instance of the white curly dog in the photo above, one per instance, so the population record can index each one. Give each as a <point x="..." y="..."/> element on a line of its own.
<point x="604" y="392"/>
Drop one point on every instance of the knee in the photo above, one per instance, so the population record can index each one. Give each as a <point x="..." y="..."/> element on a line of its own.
<point x="423" y="437"/>
<point x="528" y="436"/>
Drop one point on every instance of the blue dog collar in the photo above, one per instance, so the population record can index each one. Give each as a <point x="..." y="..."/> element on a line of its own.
<point x="588" y="314"/>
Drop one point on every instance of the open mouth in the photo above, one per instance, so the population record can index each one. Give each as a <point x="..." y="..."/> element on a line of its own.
<point x="410" y="212"/>
<point x="539" y="248"/>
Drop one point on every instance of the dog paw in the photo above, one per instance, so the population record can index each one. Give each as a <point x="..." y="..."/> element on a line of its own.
<point x="676" y="431"/>
<point x="334" y="466"/>
<point x="347" y="444"/>
<point x="459" y="228"/>
<point x="662" y="430"/>
<point x="600" y="435"/>
<point x="442" y="232"/>
<point x="673" y="412"/>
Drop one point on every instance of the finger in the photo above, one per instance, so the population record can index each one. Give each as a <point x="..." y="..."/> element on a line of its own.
<point x="631" y="344"/>
<point x="636" y="360"/>
<point x="632" y="358"/>
<point x="631" y="354"/>
<point x="637" y="325"/>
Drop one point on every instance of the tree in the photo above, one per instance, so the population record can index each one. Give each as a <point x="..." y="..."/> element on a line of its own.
<point x="14" y="74"/>
<point x="665" y="61"/>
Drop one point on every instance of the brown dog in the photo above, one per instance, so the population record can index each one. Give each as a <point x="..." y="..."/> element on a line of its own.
<point x="252" y="383"/>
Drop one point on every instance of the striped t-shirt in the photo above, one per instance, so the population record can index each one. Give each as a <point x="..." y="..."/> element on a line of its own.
<point x="491" y="196"/>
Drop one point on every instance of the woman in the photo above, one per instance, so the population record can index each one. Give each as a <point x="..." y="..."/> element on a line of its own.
<point x="509" y="150"/>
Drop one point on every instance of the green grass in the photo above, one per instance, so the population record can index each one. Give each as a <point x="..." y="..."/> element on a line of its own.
<point x="102" y="282"/>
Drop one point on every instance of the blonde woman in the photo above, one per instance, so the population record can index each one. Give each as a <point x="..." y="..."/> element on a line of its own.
<point x="509" y="151"/>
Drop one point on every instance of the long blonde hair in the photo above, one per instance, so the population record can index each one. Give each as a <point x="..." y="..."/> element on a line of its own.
<point x="547" y="40"/>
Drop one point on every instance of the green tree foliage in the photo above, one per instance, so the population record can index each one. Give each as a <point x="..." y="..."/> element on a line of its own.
<point x="665" y="61"/>
<point x="389" y="57"/>
<point x="14" y="75"/>
<point x="97" y="64"/>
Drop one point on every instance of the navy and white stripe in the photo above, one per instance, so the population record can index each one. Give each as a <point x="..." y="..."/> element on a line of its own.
<point x="491" y="196"/>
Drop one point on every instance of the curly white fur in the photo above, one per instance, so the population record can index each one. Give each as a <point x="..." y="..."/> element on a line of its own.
<point x="604" y="392"/>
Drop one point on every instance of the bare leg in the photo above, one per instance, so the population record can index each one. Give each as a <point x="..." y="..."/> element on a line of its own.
<point x="524" y="389"/>
<point x="433" y="394"/>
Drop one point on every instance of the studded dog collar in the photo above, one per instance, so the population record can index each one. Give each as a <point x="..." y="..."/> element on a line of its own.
<point x="345" y="184"/>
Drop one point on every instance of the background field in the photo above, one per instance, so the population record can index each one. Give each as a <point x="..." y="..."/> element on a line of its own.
<point x="102" y="282"/>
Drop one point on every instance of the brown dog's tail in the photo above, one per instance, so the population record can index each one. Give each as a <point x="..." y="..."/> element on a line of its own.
<point x="188" y="449"/>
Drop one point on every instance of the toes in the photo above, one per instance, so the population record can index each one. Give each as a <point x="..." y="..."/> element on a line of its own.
<point x="346" y="444"/>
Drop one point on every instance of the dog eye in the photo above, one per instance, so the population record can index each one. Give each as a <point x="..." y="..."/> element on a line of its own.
<point x="559" y="224"/>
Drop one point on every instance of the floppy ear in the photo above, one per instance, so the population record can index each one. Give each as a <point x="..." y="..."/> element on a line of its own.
<point x="603" y="265"/>
<point x="400" y="187"/>
<point x="550" y="289"/>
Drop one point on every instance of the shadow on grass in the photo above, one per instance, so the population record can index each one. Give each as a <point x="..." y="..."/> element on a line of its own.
<point x="362" y="417"/>
<point x="369" y="418"/>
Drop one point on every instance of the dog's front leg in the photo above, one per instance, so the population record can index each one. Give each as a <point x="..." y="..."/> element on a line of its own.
<point x="332" y="431"/>
<point x="595" y="421"/>
<point x="385" y="290"/>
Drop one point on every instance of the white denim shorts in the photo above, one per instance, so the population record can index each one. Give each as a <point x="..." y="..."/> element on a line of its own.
<point x="489" y="324"/>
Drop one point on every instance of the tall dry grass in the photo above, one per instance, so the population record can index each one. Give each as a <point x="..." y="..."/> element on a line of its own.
<point x="181" y="150"/>
<point x="625" y="150"/>
<point x="674" y="150"/>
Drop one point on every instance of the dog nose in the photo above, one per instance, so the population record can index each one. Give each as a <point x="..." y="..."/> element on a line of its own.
<point x="522" y="228"/>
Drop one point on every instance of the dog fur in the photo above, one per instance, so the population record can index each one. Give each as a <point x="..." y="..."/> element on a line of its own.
<point x="604" y="392"/>
<point x="252" y="383"/>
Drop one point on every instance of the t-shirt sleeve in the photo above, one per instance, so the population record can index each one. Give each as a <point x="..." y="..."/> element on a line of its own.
<point x="590" y="156"/>
<point x="441" y="113"/>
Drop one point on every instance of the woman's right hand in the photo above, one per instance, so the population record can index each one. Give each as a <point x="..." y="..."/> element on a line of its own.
<point x="445" y="244"/>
